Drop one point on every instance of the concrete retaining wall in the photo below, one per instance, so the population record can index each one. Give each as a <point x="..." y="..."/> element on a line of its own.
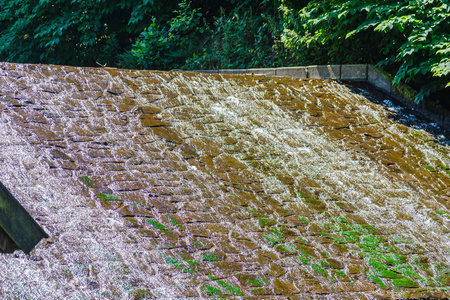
<point x="363" y="72"/>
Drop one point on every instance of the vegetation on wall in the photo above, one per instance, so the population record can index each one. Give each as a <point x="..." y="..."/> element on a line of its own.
<point x="409" y="38"/>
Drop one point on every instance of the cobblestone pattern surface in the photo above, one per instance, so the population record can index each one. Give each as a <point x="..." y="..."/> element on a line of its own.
<point x="228" y="186"/>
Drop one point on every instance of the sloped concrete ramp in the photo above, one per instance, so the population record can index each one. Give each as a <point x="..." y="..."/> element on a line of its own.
<point x="184" y="185"/>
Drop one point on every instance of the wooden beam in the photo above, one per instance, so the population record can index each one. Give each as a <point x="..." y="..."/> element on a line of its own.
<point x="17" y="224"/>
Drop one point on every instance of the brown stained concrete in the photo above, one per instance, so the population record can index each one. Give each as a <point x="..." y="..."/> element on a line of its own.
<point x="223" y="186"/>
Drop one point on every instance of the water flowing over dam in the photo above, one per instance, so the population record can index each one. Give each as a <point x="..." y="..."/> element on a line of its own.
<point x="183" y="185"/>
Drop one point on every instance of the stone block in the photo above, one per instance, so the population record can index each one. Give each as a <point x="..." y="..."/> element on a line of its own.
<point x="325" y="72"/>
<point x="268" y="71"/>
<point x="378" y="79"/>
<point x="297" y="72"/>
<point x="233" y="71"/>
<point x="354" y="72"/>
<point x="205" y="71"/>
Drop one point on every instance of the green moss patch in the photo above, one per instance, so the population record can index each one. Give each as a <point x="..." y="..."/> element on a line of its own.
<point x="407" y="270"/>
<point x="276" y="231"/>
<point x="382" y="256"/>
<point x="274" y="237"/>
<point x="376" y="279"/>
<point x="318" y="269"/>
<point x="231" y="288"/>
<point x="271" y="239"/>
<point x="258" y="281"/>
<point x="377" y="264"/>
<point x="303" y="220"/>
<point x="107" y="197"/>
<point x="210" y="290"/>
<point x="157" y="225"/>
<point x="210" y="257"/>
<point x="443" y="168"/>
<point x="287" y="249"/>
<point x="266" y="222"/>
<point x="388" y="274"/>
<point x="173" y="261"/>
<point x="87" y="181"/>
<point x="336" y="239"/>
<point x="404" y="282"/>
<point x="314" y="201"/>
<point x="303" y="260"/>
<point x="175" y="222"/>
<point x="393" y="258"/>
<point x="370" y="242"/>
<point x="430" y="168"/>
<point x="339" y="273"/>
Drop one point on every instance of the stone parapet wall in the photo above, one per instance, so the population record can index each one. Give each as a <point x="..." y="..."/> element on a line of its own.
<point x="365" y="72"/>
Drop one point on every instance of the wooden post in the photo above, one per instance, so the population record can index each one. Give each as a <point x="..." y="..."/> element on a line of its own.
<point x="18" y="230"/>
<point x="7" y="245"/>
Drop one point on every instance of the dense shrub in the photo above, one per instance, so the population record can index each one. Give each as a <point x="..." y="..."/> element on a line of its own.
<point x="241" y="38"/>
<point x="167" y="47"/>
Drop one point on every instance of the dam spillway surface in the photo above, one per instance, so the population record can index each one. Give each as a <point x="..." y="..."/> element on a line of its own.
<point x="184" y="185"/>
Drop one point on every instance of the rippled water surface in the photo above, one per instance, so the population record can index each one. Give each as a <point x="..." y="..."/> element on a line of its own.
<point x="178" y="185"/>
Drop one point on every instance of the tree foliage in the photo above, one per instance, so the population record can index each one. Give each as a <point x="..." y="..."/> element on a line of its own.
<point x="409" y="37"/>
<point x="73" y="32"/>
